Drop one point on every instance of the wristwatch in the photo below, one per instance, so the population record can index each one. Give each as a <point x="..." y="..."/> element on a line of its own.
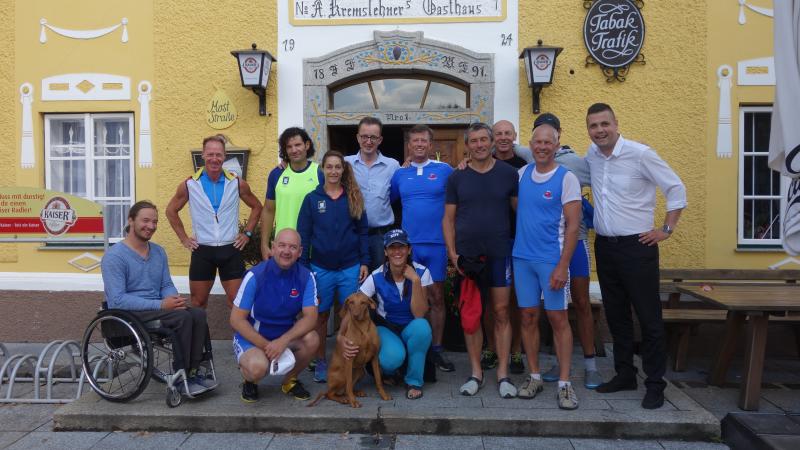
<point x="667" y="229"/>
<point x="249" y="234"/>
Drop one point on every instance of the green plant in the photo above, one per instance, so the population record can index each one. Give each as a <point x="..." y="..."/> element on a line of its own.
<point x="251" y="253"/>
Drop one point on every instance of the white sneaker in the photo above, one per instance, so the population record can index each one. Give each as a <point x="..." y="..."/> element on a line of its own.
<point x="566" y="397"/>
<point x="471" y="387"/>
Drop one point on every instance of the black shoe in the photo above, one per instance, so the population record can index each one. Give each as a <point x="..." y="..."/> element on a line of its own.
<point x="295" y="389"/>
<point x="653" y="399"/>
<point x="488" y="360"/>
<point x="516" y="366"/>
<point x="617" y="384"/>
<point x="442" y="363"/>
<point x="249" y="392"/>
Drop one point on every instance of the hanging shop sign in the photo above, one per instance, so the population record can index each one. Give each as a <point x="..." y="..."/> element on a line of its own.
<point x="33" y="214"/>
<point x="221" y="112"/>
<point x="343" y="12"/>
<point x="614" y="35"/>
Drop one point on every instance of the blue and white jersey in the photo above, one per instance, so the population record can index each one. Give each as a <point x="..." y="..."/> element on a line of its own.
<point x="421" y="189"/>
<point x="540" y="212"/>
<point x="393" y="298"/>
<point x="275" y="296"/>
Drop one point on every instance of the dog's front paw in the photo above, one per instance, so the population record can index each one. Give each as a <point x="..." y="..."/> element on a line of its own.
<point x="385" y="396"/>
<point x="355" y="403"/>
<point x="360" y="394"/>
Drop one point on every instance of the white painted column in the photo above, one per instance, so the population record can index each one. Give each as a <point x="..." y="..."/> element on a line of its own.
<point x="145" y="146"/>
<point x="724" y="127"/>
<point x="27" y="157"/>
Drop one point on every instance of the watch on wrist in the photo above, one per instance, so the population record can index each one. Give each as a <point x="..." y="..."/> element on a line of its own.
<point x="249" y="234"/>
<point x="667" y="229"/>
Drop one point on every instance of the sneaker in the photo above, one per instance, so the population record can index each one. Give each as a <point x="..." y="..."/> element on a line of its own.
<point x="653" y="399"/>
<point x="249" y="392"/>
<point x="516" y="366"/>
<point x="312" y="365"/>
<point x="488" y="359"/>
<point x="471" y="387"/>
<point x="530" y="388"/>
<point x="506" y="388"/>
<point x="321" y="371"/>
<point x="617" y="384"/>
<point x="442" y="363"/>
<point x="552" y="375"/>
<point x="295" y="388"/>
<point x="566" y="397"/>
<point x="592" y="379"/>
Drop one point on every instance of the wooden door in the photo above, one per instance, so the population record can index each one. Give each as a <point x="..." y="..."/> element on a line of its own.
<point x="448" y="145"/>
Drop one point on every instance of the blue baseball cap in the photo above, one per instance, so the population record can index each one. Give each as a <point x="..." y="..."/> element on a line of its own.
<point x="549" y="119"/>
<point x="396" y="236"/>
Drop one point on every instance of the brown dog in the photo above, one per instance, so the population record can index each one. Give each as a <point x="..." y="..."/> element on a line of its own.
<point x="343" y="374"/>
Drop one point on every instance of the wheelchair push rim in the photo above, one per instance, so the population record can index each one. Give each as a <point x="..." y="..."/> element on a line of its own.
<point x="117" y="356"/>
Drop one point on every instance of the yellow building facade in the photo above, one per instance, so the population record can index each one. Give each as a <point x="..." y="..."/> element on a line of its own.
<point x="130" y="85"/>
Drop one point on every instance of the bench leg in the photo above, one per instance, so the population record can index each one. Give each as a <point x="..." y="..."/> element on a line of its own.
<point x="682" y="347"/>
<point x="733" y="328"/>
<point x="755" y="347"/>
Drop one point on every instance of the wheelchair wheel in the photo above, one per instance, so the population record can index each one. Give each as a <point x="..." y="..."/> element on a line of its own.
<point x="173" y="397"/>
<point x="117" y="356"/>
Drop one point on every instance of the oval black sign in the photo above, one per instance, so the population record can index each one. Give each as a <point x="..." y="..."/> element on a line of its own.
<point x="613" y="32"/>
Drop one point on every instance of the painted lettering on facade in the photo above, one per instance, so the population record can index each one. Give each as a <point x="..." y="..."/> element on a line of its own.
<point x="337" y="12"/>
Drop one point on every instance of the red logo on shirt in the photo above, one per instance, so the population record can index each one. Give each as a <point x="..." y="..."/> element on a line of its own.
<point x="432" y="176"/>
<point x="294" y="293"/>
<point x="548" y="195"/>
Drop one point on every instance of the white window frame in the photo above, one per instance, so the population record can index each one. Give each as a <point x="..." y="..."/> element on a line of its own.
<point x="88" y="124"/>
<point x="741" y="240"/>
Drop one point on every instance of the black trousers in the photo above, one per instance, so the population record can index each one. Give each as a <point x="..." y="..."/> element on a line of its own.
<point x="628" y="275"/>
<point x="189" y="326"/>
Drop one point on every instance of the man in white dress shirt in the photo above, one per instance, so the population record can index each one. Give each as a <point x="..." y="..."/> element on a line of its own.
<point x="625" y="175"/>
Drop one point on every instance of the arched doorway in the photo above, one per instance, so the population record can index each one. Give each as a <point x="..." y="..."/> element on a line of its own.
<point x="402" y="79"/>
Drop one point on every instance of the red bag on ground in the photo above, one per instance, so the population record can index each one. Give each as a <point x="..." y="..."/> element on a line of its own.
<point x="470" y="305"/>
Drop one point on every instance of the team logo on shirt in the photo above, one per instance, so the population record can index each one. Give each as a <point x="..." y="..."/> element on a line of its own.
<point x="285" y="180"/>
<point x="321" y="208"/>
<point x="547" y="195"/>
<point x="432" y="176"/>
<point x="294" y="293"/>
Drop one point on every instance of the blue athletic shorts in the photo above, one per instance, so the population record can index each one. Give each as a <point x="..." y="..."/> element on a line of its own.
<point x="579" y="264"/>
<point x="240" y="345"/>
<point x="500" y="270"/>
<point x="335" y="283"/>
<point x="432" y="256"/>
<point x="531" y="280"/>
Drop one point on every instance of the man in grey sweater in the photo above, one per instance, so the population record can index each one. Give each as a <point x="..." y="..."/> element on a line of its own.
<point x="136" y="279"/>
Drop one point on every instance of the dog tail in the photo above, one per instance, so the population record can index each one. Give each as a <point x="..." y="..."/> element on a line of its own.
<point x="316" y="400"/>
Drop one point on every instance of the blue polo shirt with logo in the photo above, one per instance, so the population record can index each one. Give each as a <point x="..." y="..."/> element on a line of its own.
<point x="421" y="189"/>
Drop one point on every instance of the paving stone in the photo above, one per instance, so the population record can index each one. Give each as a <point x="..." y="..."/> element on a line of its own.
<point x="787" y="400"/>
<point x="24" y="417"/>
<point x="216" y="441"/>
<point x="142" y="440"/>
<point x="46" y="440"/>
<point x="680" y="445"/>
<point x="419" y="442"/>
<point x="526" y="443"/>
<point x="9" y="437"/>
<point x="723" y="400"/>
<point x="317" y="441"/>
<point x="636" y="405"/>
<point x="605" y="444"/>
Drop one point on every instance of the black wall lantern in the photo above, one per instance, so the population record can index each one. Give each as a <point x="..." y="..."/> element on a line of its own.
<point x="540" y="63"/>
<point x="254" y="66"/>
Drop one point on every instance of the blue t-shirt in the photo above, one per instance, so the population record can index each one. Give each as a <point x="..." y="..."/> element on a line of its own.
<point x="275" y="296"/>
<point x="213" y="190"/>
<point x="421" y="189"/>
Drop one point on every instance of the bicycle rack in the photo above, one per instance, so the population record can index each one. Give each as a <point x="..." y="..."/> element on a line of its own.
<point x="42" y="372"/>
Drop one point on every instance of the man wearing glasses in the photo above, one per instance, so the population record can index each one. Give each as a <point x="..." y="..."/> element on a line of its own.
<point x="374" y="175"/>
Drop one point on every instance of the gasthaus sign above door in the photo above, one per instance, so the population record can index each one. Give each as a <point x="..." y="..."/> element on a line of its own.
<point x="351" y="12"/>
<point x="614" y="35"/>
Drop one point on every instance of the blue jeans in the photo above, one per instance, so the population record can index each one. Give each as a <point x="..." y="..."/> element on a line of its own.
<point x="416" y="339"/>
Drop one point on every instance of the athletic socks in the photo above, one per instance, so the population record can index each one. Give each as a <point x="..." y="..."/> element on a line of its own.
<point x="536" y="376"/>
<point x="589" y="363"/>
<point x="561" y="384"/>
<point x="437" y="348"/>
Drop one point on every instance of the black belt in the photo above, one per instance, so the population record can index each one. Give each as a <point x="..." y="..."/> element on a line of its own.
<point x="380" y="230"/>
<point x="618" y="239"/>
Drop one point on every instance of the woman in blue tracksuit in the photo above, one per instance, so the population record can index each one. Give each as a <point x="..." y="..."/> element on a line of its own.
<point x="334" y="232"/>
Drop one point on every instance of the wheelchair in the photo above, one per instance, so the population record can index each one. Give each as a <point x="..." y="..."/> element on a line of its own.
<point x="120" y="354"/>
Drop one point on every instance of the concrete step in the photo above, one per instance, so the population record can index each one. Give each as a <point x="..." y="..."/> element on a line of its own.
<point x="441" y="411"/>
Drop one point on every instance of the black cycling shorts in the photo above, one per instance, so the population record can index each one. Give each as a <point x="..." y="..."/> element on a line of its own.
<point x="207" y="259"/>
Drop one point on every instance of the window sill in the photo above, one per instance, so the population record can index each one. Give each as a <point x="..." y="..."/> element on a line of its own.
<point x="73" y="246"/>
<point x="759" y="249"/>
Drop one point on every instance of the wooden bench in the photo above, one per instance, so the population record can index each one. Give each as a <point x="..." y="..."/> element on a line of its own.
<point x="683" y="319"/>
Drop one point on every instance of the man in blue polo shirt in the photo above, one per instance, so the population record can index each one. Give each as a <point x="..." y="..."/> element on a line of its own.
<point x="421" y="189"/>
<point x="264" y="318"/>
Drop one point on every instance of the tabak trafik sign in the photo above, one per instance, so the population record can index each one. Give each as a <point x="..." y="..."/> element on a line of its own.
<point x="32" y="214"/>
<point x="614" y="35"/>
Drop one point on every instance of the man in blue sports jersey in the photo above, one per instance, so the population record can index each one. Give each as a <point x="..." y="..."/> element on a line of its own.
<point x="264" y="317"/>
<point x="548" y="212"/>
<point x="421" y="187"/>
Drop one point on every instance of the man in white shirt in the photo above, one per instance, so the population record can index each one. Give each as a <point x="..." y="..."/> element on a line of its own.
<point x="625" y="175"/>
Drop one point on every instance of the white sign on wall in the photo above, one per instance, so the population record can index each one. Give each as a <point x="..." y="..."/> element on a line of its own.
<point x="342" y="12"/>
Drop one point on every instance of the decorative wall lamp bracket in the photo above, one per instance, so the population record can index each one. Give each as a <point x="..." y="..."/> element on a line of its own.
<point x="540" y="63"/>
<point x="254" y="67"/>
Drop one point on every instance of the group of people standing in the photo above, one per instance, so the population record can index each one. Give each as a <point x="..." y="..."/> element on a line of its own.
<point x="508" y="215"/>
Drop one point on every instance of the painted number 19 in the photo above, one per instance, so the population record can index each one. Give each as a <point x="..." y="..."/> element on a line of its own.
<point x="288" y="45"/>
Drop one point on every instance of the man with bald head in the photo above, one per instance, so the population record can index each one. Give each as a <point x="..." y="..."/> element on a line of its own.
<point x="505" y="147"/>
<point x="268" y="333"/>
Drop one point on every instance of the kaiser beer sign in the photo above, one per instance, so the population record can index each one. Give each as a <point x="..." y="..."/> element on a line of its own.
<point x="613" y="33"/>
<point x="32" y="214"/>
